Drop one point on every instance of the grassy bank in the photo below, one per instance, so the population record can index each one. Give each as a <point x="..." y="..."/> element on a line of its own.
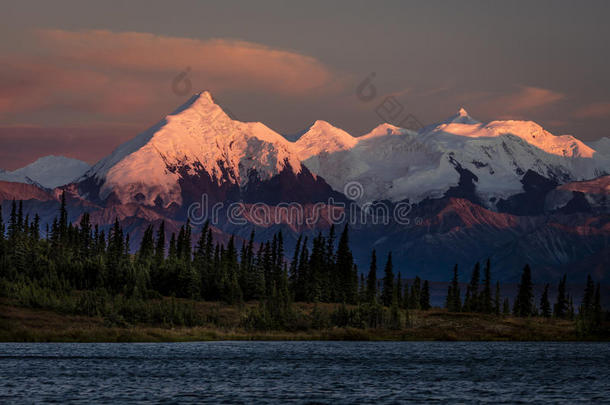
<point x="22" y="324"/>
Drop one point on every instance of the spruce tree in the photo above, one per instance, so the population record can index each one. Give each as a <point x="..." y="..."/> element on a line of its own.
<point x="486" y="303"/>
<point x="471" y="303"/>
<point x="314" y="284"/>
<point x="2" y="231"/>
<point x="586" y="307"/>
<point x="454" y="301"/>
<point x="20" y="217"/>
<point x="405" y="296"/>
<point x="84" y="236"/>
<point x="160" y="247"/>
<point x="506" y="307"/>
<point x="115" y="257"/>
<point x="147" y="246"/>
<point x="172" y="253"/>
<point x="560" y="309"/>
<point x="362" y="290"/>
<point x="424" y="301"/>
<point x="303" y="273"/>
<point x="497" y="308"/>
<point x="388" y="283"/>
<point x="371" y="283"/>
<point x="545" y="306"/>
<point x="330" y="279"/>
<point x="12" y="223"/>
<point x="398" y="288"/>
<point x="597" y="308"/>
<point x="294" y="267"/>
<point x="524" y="305"/>
<point x="415" y="294"/>
<point x="63" y="217"/>
<point x="345" y="269"/>
<point x="201" y="261"/>
<point x="279" y="264"/>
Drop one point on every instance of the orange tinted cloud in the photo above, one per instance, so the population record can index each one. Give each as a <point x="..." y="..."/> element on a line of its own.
<point x="528" y="98"/>
<point x="117" y="74"/>
<point x="228" y="63"/>
<point x="595" y="110"/>
<point x="516" y="105"/>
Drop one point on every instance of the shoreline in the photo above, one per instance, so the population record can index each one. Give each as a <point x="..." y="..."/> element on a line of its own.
<point x="21" y="324"/>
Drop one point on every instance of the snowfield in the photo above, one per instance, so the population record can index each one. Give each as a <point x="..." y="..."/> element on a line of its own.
<point x="47" y="172"/>
<point x="397" y="164"/>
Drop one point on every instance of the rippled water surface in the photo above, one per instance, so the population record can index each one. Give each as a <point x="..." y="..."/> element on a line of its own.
<point x="318" y="372"/>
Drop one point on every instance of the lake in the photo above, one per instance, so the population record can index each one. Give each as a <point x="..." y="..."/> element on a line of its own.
<point x="305" y="372"/>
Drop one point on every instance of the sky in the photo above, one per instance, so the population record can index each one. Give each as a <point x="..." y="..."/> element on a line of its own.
<point x="79" y="78"/>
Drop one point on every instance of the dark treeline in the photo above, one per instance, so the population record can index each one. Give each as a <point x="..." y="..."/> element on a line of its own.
<point x="46" y="270"/>
<point x="479" y="298"/>
<point x="85" y="258"/>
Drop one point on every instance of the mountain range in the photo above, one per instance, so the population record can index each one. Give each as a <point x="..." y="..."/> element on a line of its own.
<point x="47" y="172"/>
<point x="505" y="190"/>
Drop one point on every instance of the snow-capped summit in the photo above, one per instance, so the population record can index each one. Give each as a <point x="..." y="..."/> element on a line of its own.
<point x="47" y="172"/>
<point x="198" y="137"/>
<point x="384" y="129"/>
<point x="323" y="137"/>
<point x="396" y="164"/>
<point x="461" y="117"/>
<point x="463" y="125"/>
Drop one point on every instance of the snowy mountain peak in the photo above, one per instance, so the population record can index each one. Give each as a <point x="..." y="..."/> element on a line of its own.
<point x="203" y="104"/>
<point x="384" y="129"/>
<point x="415" y="166"/>
<point x="324" y="128"/>
<point x="323" y="137"/>
<point x="48" y="172"/>
<point x="198" y="138"/>
<point x="321" y="124"/>
<point x="461" y="117"/>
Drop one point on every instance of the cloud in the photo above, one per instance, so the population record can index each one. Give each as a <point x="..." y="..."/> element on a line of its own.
<point x="595" y="110"/>
<point x="518" y="104"/>
<point x="229" y="63"/>
<point x="528" y="98"/>
<point x="119" y="73"/>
